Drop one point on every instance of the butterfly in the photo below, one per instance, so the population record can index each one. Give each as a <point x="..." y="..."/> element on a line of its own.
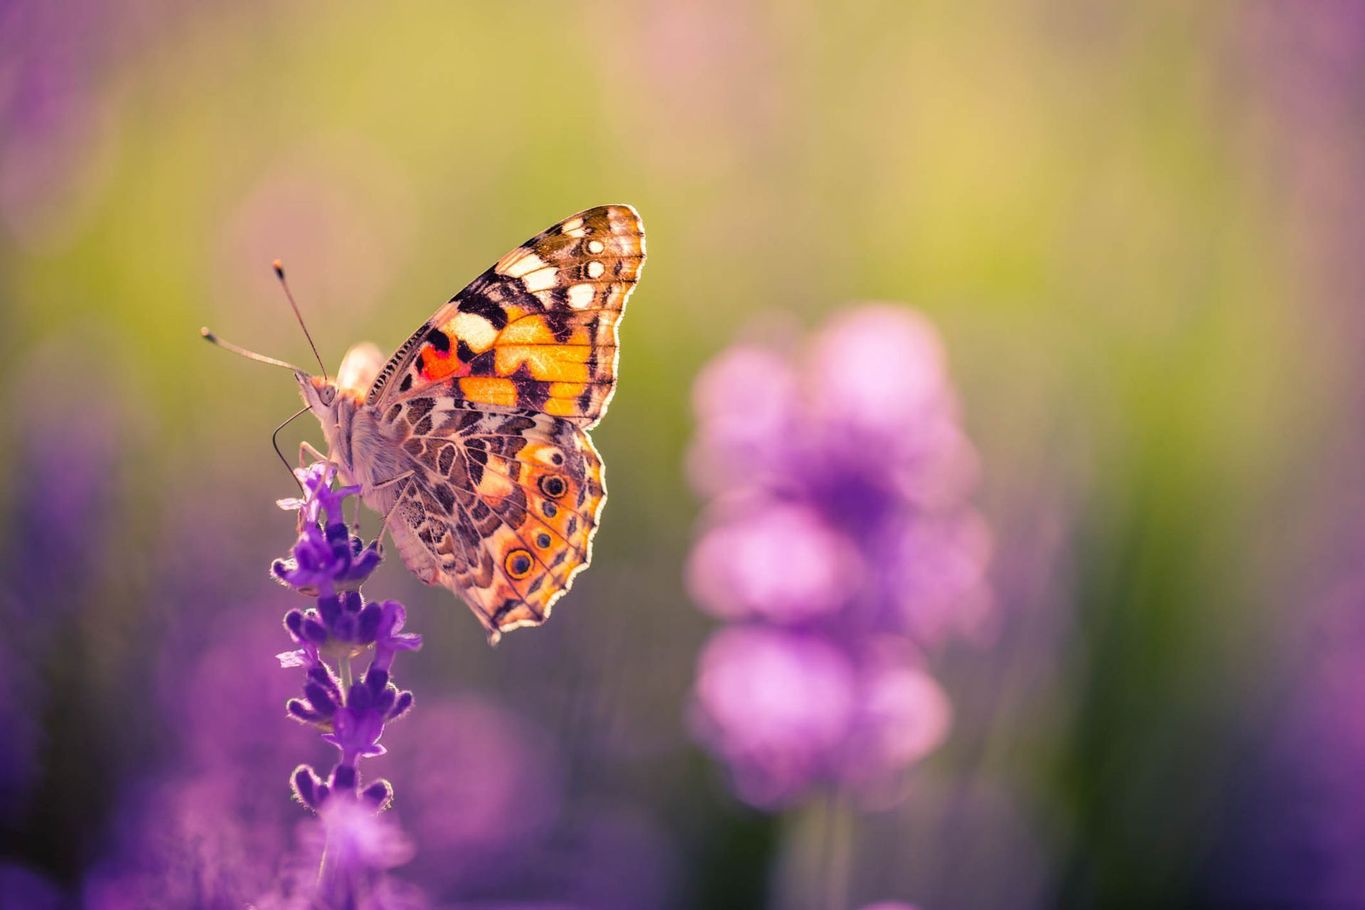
<point x="472" y="439"/>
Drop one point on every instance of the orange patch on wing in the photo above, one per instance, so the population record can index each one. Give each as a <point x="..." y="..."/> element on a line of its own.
<point x="528" y="330"/>
<point x="436" y="366"/>
<point x="492" y="390"/>
<point x="548" y="364"/>
<point x="566" y="389"/>
<point x="530" y="342"/>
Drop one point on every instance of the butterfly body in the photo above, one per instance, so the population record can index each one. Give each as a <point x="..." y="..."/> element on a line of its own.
<point x="473" y="437"/>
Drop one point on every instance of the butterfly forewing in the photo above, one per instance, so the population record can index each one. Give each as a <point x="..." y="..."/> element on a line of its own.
<point x="536" y="331"/>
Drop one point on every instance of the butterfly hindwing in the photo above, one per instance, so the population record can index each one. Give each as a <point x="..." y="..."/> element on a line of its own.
<point x="538" y="330"/>
<point x="501" y="508"/>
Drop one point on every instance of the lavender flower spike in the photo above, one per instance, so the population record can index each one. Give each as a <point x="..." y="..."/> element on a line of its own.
<point x="329" y="564"/>
<point x="326" y="557"/>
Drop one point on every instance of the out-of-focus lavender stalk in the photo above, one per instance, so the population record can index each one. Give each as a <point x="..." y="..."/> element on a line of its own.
<point x="842" y="551"/>
<point x="329" y="563"/>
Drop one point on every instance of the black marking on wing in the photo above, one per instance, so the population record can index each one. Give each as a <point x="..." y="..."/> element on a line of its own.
<point x="439" y="340"/>
<point x="478" y="303"/>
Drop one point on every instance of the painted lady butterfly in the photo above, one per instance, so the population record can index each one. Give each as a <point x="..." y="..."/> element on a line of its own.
<point x="472" y="439"/>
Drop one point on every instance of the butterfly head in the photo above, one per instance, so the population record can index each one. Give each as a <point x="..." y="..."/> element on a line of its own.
<point x="328" y="397"/>
<point x="319" y="394"/>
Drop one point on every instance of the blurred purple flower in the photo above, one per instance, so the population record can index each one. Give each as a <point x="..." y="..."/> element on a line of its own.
<point x="200" y="845"/>
<point x="776" y="705"/>
<point x="854" y="473"/>
<point x="748" y="404"/>
<point x="789" y="708"/>
<point x="936" y="568"/>
<point x="203" y="825"/>
<point x="772" y="560"/>
<point x="841" y="535"/>
<point x="902" y="716"/>
<point x="207" y="840"/>
<point x="358" y="847"/>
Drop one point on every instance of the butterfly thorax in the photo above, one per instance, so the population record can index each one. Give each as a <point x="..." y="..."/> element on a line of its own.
<point x="364" y="452"/>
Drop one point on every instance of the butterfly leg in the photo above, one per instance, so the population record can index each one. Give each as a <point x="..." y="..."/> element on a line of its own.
<point x="306" y="452"/>
<point x="384" y="525"/>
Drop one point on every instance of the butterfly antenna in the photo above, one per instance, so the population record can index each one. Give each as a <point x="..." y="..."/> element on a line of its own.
<point x="279" y="273"/>
<point x="243" y="352"/>
<point x="261" y="358"/>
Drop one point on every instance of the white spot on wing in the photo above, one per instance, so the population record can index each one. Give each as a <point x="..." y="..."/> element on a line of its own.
<point x="518" y="263"/>
<point x="574" y="227"/>
<point x="581" y="295"/>
<point x="595" y="269"/>
<point x="596" y="246"/>
<point x="476" y="331"/>
<point x="542" y="280"/>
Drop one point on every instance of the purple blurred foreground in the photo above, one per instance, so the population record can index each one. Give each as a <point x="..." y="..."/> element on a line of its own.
<point x="840" y="548"/>
<point x="477" y="818"/>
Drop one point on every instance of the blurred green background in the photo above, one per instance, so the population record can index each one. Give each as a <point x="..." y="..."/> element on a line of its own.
<point x="1126" y="219"/>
